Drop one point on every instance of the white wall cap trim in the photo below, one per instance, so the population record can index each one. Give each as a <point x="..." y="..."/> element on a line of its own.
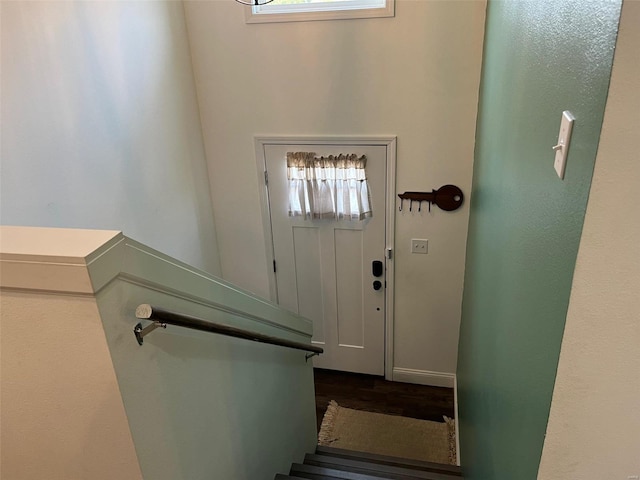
<point x="51" y="259"/>
<point x="122" y="258"/>
<point x="62" y="245"/>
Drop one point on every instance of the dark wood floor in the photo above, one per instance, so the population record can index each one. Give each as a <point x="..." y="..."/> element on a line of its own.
<point x="375" y="394"/>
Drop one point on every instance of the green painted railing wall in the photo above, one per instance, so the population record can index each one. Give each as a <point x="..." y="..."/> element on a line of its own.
<point x="540" y="58"/>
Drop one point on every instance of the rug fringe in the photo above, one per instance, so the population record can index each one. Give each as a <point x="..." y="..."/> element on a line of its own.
<point x="325" y="436"/>
<point x="451" y="427"/>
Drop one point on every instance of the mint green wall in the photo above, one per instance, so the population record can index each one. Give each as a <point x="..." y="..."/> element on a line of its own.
<point x="202" y="406"/>
<point x="540" y="58"/>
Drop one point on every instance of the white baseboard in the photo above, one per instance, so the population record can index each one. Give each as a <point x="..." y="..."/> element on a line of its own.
<point x="455" y="405"/>
<point x="424" y="377"/>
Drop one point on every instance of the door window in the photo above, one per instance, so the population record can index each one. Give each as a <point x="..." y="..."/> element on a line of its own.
<point x="328" y="187"/>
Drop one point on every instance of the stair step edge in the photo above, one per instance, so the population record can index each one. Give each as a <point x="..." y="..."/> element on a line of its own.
<point x="332" y="473"/>
<point x="452" y="470"/>
<point x="375" y="468"/>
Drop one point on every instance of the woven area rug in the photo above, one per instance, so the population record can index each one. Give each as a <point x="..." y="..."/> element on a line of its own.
<point x="388" y="435"/>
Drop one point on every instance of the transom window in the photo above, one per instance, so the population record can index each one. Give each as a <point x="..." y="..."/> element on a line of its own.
<point x="306" y="10"/>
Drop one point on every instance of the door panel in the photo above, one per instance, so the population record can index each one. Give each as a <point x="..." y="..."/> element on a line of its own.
<point x="324" y="266"/>
<point x="308" y="269"/>
<point x="350" y="311"/>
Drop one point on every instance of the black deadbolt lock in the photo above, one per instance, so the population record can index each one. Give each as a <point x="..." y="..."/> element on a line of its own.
<point x="376" y="268"/>
<point x="377" y="285"/>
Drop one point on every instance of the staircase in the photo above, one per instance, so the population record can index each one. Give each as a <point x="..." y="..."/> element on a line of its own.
<point x="334" y="463"/>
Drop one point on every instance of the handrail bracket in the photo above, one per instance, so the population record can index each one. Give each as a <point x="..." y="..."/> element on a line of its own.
<point x="142" y="332"/>
<point x="310" y="355"/>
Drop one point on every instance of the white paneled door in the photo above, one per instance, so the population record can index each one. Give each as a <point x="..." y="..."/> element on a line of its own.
<point x="324" y="269"/>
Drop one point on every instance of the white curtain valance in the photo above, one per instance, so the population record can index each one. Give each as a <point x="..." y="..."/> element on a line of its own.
<point x="328" y="187"/>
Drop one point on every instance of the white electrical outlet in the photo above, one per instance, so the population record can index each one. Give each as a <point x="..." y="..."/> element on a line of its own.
<point x="419" y="245"/>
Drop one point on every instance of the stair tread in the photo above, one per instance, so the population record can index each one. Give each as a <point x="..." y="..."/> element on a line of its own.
<point x="317" y="473"/>
<point x="281" y="476"/>
<point x="351" y="472"/>
<point x="365" y="467"/>
<point x="451" y="470"/>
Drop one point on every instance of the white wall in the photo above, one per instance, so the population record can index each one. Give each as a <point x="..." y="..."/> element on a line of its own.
<point x="62" y="413"/>
<point x="594" y="424"/>
<point x="100" y="124"/>
<point x="415" y="76"/>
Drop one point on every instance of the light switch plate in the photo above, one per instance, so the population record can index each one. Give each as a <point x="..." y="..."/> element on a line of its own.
<point x="562" y="147"/>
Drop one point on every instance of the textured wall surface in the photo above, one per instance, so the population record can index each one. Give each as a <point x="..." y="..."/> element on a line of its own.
<point x="415" y="76"/>
<point x="100" y="124"/>
<point x="62" y="413"/>
<point x="540" y="58"/>
<point x="600" y="359"/>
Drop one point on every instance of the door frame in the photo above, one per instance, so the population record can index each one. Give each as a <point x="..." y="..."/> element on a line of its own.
<point x="390" y="141"/>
